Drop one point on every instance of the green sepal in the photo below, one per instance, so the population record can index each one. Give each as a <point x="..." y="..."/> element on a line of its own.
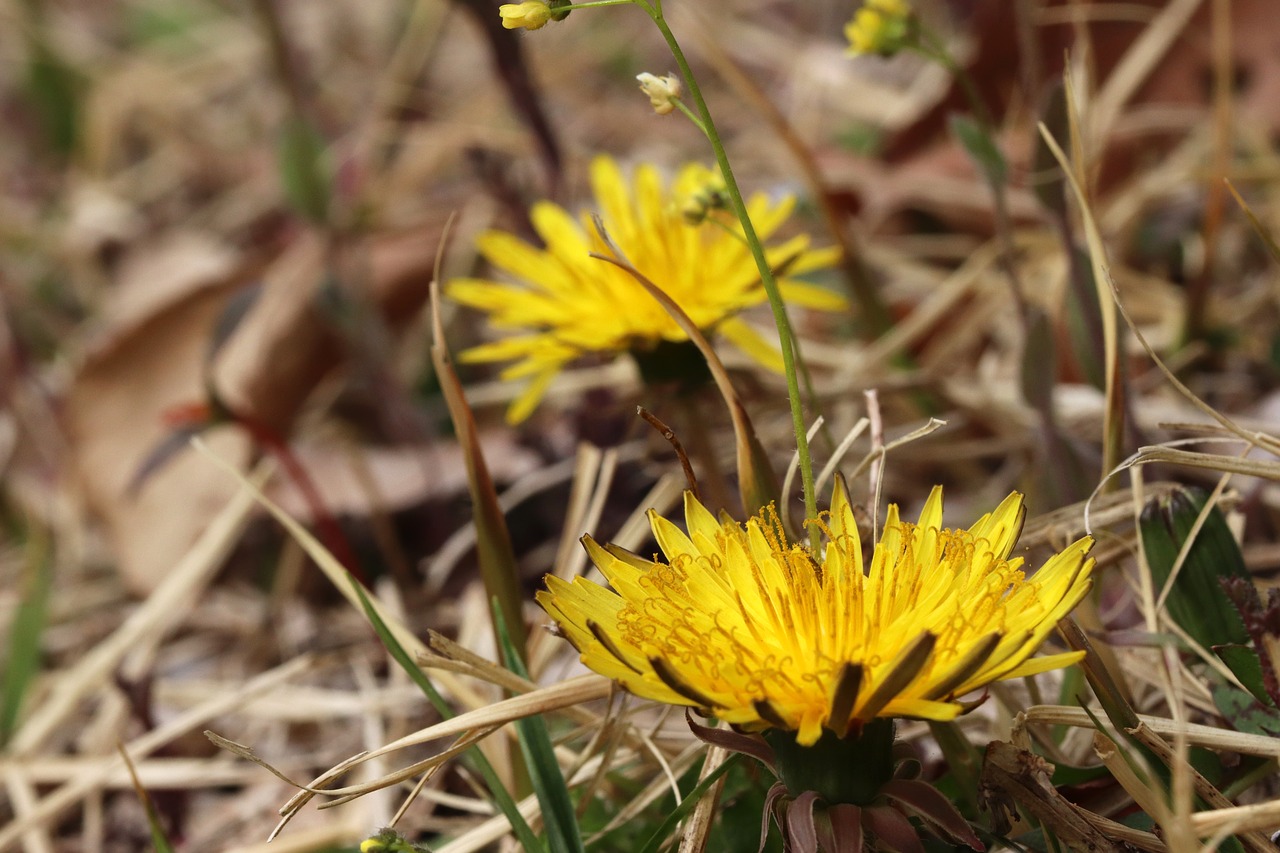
<point x="851" y="769"/>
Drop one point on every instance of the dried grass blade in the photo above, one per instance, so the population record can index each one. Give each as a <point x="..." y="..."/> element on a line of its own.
<point x="1210" y="737"/>
<point x="328" y="564"/>
<point x="70" y="793"/>
<point x="498" y="566"/>
<point x="502" y="797"/>
<point x="757" y="481"/>
<point x="698" y="830"/>
<point x="1113" y="419"/>
<point x="1215" y="462"/>
<point x="162" y="611"/>
<point x="1252" y="840"/>
<point x="1261" y="230"/>
<point x="246" y="753"/>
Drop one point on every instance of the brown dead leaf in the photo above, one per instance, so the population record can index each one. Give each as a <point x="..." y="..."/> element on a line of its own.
<point x="1013" y="777"/>
<point x="114" y="413"/>
<point x="151" y="361"/>
<point x="285" y="345"/>
<point x="1171" y="92"/>
<point x="394" y="478"/>
<point x="170" y="269"/>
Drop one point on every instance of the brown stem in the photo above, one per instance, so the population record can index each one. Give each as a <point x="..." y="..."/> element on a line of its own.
<point x="670" y="435"/>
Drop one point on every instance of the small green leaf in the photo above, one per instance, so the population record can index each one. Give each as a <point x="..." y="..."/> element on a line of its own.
<point x="1196" y="601"/>
<point x="304" y="170"/>
<point x="1065" y="774"/>
<point x="23" y="659"/>
<point x="54" y="91"/>
<point x="1244" y="664"/>
<point x="1245" y="713"/>
<point x="982" y="149"/>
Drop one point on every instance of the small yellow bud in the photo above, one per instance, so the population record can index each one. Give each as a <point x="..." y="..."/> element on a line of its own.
<point x="663" y="92"/>
<point x="530" y="15"/>
<point x="880" y="26"/>
<point x="372" y="845"/>
<point x="703" y="192"/>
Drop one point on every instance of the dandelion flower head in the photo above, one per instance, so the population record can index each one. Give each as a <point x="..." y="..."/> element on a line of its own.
<point x="880" y="26"/>
<point x="763" y="634"/>
<point x="564" y="304"/>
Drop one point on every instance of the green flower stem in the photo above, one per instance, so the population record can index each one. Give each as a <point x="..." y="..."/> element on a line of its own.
<point x="697" y="122"/>
<point x="595" y="4"/>
<point x="785" y="337"/>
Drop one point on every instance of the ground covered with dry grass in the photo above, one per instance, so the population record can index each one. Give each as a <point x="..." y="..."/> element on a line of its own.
<point x="220" y="222"/>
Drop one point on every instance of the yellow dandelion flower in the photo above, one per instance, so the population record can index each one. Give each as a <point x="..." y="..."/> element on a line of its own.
<point x="531" y="15"/>
<point x="764" y="634"/>
<point x="568" y="304"/>
<point x="880" y="26"/>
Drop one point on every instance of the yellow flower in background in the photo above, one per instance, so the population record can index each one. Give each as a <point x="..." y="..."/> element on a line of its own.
<point x="764" y="634"/>
<point x="565" y="304"/>
<point x="532" y="15"/>
<point x="880" y="26"/>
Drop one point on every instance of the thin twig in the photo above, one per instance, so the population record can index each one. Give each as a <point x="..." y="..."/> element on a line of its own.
<point x="670" y="435"/>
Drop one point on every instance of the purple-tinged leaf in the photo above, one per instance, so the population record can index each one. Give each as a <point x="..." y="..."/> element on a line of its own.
<point x="927" y="803"/>
<point x="846" y="828"/>
<point x="752" y="745"/>
<point x="802" y="831"/>
<point x="892" y="829"/>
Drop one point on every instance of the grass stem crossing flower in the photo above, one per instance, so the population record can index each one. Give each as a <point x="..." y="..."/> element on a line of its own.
<point x="566" y="304"/>
<point x="742" y="625"/>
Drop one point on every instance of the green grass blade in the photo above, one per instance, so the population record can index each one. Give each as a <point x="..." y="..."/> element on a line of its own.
<point x="498" y="568"/>
<point x="159" y="840"/>
<point x="24" y="638"/>
<point x="563" y="833"/>
<point x="687" y="804"/>
<point x="473" y="757"/>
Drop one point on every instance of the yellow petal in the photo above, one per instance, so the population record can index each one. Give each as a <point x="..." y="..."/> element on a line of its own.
<point x="528" y="400"/>
<point x="747" y="339"/>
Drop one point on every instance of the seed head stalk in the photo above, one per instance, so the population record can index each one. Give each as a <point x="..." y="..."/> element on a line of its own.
<point x="785" y="337"/>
